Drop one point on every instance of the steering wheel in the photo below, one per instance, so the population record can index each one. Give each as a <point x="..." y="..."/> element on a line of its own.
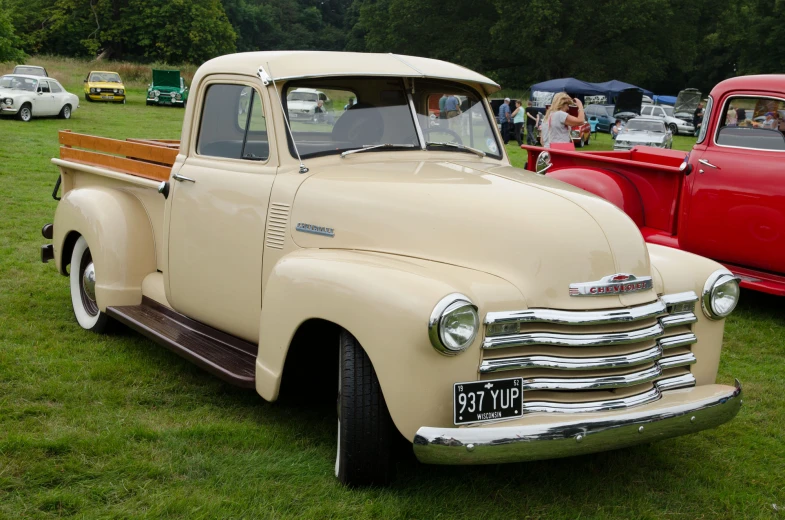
<point x="455" y="135"/>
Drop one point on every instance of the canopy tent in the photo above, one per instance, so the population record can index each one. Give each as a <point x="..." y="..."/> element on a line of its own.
<point x="665" y="100"/>
<point x="572" y="86"/>
<point x="614" y="87"/>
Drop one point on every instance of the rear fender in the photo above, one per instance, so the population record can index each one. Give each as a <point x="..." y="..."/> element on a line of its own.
<point x="119" y="234"/>
<point x="607" y="184"/>
<point x="385" y="302"/>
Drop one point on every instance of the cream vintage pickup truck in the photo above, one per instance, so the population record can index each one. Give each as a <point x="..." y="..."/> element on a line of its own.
<point x="485" y="313"/>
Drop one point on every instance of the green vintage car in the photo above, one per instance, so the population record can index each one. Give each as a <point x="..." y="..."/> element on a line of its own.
<point x="167" y="88"/>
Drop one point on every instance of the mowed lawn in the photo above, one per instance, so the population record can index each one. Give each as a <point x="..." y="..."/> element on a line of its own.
<point x="117" y="427"/>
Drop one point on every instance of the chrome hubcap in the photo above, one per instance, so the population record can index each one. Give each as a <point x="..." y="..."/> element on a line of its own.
<point x="88" y="281"/>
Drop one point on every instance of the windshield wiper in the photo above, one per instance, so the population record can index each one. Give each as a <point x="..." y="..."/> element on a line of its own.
<point x="459" y="147"/>
<point x="375" y="146"/>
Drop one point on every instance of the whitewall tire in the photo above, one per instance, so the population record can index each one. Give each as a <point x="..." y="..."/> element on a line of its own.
<point x="82" y="278"/>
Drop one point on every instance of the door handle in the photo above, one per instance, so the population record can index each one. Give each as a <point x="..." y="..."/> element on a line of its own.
<point x="707" y="163"/>
<point x="182" y="178"/>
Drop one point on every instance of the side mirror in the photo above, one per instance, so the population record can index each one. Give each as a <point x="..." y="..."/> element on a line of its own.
<point x="40" y="93"/>
<point x="543" y="163"/>
<point x="685" y="167"/>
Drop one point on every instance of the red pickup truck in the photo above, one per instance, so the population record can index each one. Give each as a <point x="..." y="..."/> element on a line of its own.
<point x="725" y="199"/>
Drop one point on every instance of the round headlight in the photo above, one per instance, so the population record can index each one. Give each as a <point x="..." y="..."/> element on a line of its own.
<point x="454" y="324"/>
<point x="720" y="294"/>
<point x="156" y="93"/>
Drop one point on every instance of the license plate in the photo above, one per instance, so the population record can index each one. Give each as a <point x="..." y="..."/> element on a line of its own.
<point x="481" y="401"/>
<point x="107" y="97"/>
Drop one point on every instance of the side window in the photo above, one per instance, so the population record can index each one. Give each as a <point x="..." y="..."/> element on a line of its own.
<point x="659" y="112"/>
<point x="756" y="123"/>
<point x="43" y="86"/>
<point x="55" y="87"/>
<point x="646" y="111"/>
<point x="233" y="124"/>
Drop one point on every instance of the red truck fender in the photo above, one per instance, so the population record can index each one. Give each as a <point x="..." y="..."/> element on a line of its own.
<point x="607" y="184"/>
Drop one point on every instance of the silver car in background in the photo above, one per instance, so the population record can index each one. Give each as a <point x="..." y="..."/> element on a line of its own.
<point x="644" y="131"/>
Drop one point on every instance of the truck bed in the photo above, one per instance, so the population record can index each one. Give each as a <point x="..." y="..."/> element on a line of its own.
<point x="146" y="158"/>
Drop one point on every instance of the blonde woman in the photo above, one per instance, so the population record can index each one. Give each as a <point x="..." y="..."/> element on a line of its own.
<point x="557" y="123"/>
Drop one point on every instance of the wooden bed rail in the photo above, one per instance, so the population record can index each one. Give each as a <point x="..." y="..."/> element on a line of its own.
<point x="148" y="158"/>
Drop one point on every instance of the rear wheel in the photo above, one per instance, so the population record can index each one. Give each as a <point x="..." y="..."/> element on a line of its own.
<point x="83" y="298"/>
<point x="25" y="113"/>
<point x="365" y="429"/>
<point x="580" y="142"/>
<point x="65" y="112"/>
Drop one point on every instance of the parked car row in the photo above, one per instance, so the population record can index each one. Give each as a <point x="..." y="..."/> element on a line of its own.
<point x="29" y="92"/>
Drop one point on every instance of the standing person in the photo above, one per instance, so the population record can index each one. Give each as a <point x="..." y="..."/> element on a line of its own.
<point x="517" y="120"/>
<point x="452" y="108"/>
<point x="532" y="120"/>
<point x="616" y="129"/>
<point x="504" y="119"/>
<point x="697" y="118"/>
<point x="442" y="101"/>
<point x="556" y="127"/>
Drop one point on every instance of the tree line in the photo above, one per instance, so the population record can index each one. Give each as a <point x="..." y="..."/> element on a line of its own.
<point x="662" y="45"/>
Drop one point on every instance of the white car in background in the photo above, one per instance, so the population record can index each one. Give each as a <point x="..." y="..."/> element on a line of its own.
<point x="301" y="104"/>
<point x="26" y="96"/>
<point x="644" y="131"/>
<point x="675" y="125"/>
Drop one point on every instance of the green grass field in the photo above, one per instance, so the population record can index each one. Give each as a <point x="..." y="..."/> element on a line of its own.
<point x="117" y="427"/>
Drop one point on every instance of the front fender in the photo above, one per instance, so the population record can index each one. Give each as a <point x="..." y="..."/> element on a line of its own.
<point x="119" y="234"/>
<point x="385" y="301"/>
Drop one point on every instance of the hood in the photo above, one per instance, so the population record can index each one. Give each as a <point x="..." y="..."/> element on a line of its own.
<point x="166" y="78"/>
<point x="300" y="105"/>
<point x="686" y="103"/>
<point x="104" y="84"/>
<point x="537" y="233"/>
<point x="628" y="102"/>
<point x="642" y="136"/>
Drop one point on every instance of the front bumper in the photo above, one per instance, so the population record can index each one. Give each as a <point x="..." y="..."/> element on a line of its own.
<point x="5" y="109"/>
<point x="678" y="412"/>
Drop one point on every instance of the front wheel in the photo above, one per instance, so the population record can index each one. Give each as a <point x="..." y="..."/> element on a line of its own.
<point x="674" y="129"/>
<point x="83" y="298"/>
<point x="365" y="429"/>
<point x="25" y="113"/>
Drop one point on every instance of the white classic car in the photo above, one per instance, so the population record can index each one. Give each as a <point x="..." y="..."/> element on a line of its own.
<point x="644" y="131"/>
<point x="25" y="96"/>
<point x="675" y="125"/>
<point x="301" y="104"/>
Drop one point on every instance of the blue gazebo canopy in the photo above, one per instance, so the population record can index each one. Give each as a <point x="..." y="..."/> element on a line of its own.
<point x="572" y="86"/>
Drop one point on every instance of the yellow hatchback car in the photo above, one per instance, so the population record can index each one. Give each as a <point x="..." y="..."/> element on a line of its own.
<point x="104" y="86"/>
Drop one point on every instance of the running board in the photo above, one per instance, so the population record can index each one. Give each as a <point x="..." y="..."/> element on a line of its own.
<point x="225" y="356"/>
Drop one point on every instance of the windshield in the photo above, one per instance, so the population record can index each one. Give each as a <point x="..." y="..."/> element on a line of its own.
<point x="639" y="125"/>
<point x="450" y="113"/>
<point x="302" y="96"/>
<point x="107" y="77"/>
<point x="18" y="83"/>
<point x="32" y="71"/>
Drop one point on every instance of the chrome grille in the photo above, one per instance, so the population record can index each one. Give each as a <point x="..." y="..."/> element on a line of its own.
<point x="574" y="361"/>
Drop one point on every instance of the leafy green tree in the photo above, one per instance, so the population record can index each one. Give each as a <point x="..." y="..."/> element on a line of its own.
<point x="10" y="44"/>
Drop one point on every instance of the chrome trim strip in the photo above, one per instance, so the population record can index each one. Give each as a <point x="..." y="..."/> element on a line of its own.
<point x="680" y="360"/>
<point x="696" y="409"/>
<point x="365" y="73"/>
<point x="648" y="396"/>
<point x="571" y="363"/>
<point x="593" y="383"/>
<point x="675" y="320"/>
<point x="642" y="312"/>
<point x="684" y="297"/>
<point x="573" y="340"/>
<point x="681" y="340"/>
<point x="672" y="383"/>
